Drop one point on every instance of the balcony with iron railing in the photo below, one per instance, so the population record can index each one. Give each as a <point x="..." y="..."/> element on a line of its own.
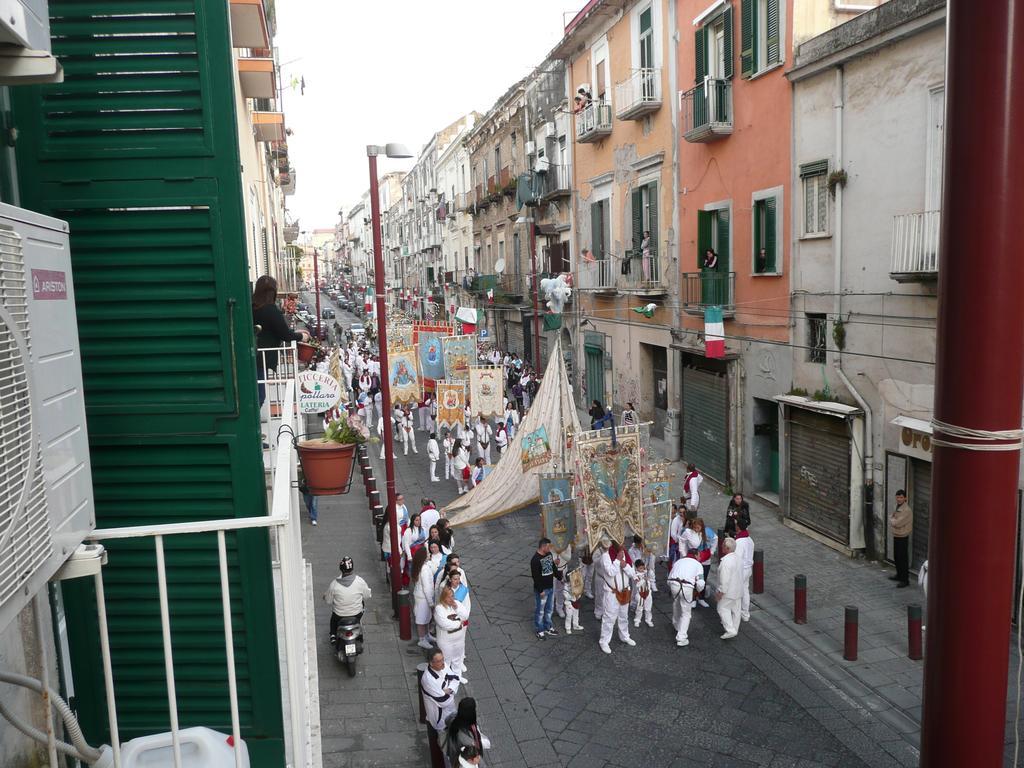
<point x="639" y="95"/>
<point x="642" y="274"/>
<point x="915" y="247"/>
<point x="597" y="275"/>
<point x="594" y="122"/>
<point x="707" y="111"/>
<point x="709" y="289"/>
<point x="511" y="289"/>
<point x="556" y="181"/>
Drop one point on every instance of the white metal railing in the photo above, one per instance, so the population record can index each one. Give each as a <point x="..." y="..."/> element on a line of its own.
<point x="283" y="522"/>
<point x="915" y="243"/>
<point x="593" y="121"/>
<point x="556" y="179"/>
<point x="596" y="275"/>
<point x="275" y="367"/>
<point x="639" y="93"/>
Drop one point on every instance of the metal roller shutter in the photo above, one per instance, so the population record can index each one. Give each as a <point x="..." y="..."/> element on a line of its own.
<point x="921" y="503"/>
<point x="819" y="473"/>
<point x="706" y="421"/>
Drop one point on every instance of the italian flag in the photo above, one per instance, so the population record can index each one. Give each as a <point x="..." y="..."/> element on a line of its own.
<point x="714" y="333"/>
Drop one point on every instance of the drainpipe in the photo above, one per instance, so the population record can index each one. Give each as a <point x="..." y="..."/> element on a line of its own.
<point x="837" y="309"/>
<point x="672" y="445"/>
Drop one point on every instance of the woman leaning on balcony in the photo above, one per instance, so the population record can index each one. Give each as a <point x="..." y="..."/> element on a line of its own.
<point x="273" y="330"/>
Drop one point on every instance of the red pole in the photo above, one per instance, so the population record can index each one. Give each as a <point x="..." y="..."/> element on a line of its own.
<point x="914" y="633"/>
<point x="758" y="577"/>
<point x="405" y="615"/>
<point x="316" y="292"/>
<point x="850" y="634"/>
<point x="800" y="599"/>
<point x="385" y="378"/>
<point x="536" y="293"/>
<point x="980" y="331"/>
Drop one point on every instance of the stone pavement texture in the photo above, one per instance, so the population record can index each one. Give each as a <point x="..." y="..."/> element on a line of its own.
<point x="778" y="695"/>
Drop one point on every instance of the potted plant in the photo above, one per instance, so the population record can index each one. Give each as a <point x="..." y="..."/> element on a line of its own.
<point x="327" y="460"/>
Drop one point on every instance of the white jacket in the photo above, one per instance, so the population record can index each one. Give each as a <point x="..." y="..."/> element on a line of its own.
<point x="483" y="432"/>
<point x="448" y="628"/>
<point x="347" y="600"/>
<point x="745" y="552"/>
<point x="730" y="577"/>
<point x="433" y="451"/>
<point x="424" y="589"/>
<point x="687" y="570"/>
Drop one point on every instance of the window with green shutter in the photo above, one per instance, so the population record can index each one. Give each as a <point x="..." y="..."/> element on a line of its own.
<point x="761" y="36"/>
<point x="713" y="48"/>
<point x="651" y="225"/>
<point x="637" y="219"/>
<point x="765" y="239"/>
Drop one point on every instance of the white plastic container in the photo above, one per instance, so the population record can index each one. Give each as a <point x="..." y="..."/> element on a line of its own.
<point x="200" y="748"/>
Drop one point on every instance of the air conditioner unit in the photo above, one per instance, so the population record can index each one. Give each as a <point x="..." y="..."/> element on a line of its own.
<point x="550" y="130"/>
<point x="46" y="499"/>
<point x="529" y="147"/>
<point x="542" y="164"/>
<point x="25" y="53"/>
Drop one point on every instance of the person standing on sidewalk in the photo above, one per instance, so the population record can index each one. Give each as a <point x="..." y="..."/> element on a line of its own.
<point x="408" y="432"/>
<point x="745" y="551"/>
<point x="451" y="619"/>
<point x="447" y="446"/>
<point x="675" y="534"/>
<point x="616" y="574"/>
<point x="433" y="453"/>
<point x="901" y="523"/>
<point x="423" y="594"/>
<point x="542" y="569"/>
<point x="691" y="488"/>
<point x="730" y="589"/>
<point x="484" y="433"/>
<point x="739" y="510"/>
<point x="438" y="685"/>
<point x="685" y="582"/>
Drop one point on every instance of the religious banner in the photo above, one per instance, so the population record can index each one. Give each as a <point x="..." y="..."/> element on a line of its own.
<point x="459" y="355"/>
<point x="657" y="483"/>
<point x="657" y="518"/>
<point x="431" y="357"/>
<point x="555" y="487"/>
<point x="559" y="519"/>
<point x="399" y="336"/>
<point x="609" y="470"/>
<point x="404" y="375"/>
<point x="536" y="450"/>
<point x="418" y="327"/>
<point x="486" y="390"/>
<point x="451" y="404"/>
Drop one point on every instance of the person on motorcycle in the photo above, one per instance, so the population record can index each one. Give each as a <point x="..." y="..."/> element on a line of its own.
<point x="347" y="595"/>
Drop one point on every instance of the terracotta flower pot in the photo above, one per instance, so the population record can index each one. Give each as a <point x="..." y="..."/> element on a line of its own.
<point x="305" y="351"/>
<point x="327" y="467"/>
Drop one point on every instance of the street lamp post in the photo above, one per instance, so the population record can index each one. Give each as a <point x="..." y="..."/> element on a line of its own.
<point x="316" y="292"/>
<point x="395" y="151"/>
<point x="536" y="287"/>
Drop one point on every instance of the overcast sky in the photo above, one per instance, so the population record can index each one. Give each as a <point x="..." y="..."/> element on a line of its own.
<point x="394" y="70"/>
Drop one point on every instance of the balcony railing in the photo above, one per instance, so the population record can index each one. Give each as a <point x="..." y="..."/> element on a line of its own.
<point x="915" y="247"/>
<point x="594" y="122"/>
<point x="709" y="289"/>
<point x="638" y="95"/>
<point x="557" y="182"/>
<point x="597" y="275"/>
<point x="707" y="111"/>
<point x="643" y="274"/>
<point x="291" y="601"/>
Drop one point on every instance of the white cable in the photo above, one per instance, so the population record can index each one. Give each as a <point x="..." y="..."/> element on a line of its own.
<point x="84" y="752"/>
<point x="993" y="440"/>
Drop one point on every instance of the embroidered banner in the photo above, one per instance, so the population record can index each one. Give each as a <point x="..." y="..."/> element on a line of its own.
<point x="444" y="329"/>
<point x="536" y="450"/>
<point x="657" y="518"/>
<point x="459" y="355"/>
<point x="486" y="390"/>
<point x="555" y="487"/>
<point x="431" y="357"/>
<point x="406" y="384"/>
<point x="610" y="482"/>
<point x="399" y="336"/>
<point x="451" y="404"/>
<point x="559" y="523"/>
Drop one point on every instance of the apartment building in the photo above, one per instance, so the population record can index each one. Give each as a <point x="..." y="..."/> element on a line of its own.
<point x="865" y="221"/>
<point x="454" y="176"/>
<point x="619" y="57"/>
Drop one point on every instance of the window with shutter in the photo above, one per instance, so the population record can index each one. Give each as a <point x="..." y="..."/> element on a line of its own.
<point x="652" y="215"/>
<point x="747" y="21"/>
<point x="765" y="241"/>
<point x="638" y="219"/>
<point x="814" y="178"/>
<point x="721" y="234"/>
<point x="705" y="224"/>
<point x="761" y="36"/>
<point x="727" y="24"/>
<point x="700" y="48"/>
<point x="772" y="45"/>
<point x="596" y="228"/>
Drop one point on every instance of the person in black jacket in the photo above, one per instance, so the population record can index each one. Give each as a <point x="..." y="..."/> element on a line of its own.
<point x="737" y="515"/>
<point x="596" y="414"/>
<point x="274" y="331"/>
<point x="543" y="571"/>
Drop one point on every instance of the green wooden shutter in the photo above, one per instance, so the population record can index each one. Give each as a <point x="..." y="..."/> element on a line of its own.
<point x="138" y="150"/>
<point x="638" y="219"/>
<point x="769" y="234"/>
<point x="772" y="47"/>
<point x="727" y="22"/>
<point x="705" y="222"/>
<point x="722" y="227"/>
<point x="700" y="49"/>
<point x="748" y="12"/>
<point x="652" y="215"/>
<point x="758" y="230"/>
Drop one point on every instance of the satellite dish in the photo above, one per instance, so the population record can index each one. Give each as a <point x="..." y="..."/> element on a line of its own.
<point x="499" y="266"/>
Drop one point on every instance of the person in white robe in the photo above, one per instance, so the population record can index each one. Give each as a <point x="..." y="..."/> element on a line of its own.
<point x="451" y="619"/>
<point x="730" y="589"/>
<point x="439" y="685"/>
<point x="685" y="581"/>
<point x="616" y="576"/>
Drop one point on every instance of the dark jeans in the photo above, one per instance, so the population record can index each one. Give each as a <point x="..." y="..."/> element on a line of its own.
<point x="901" y="554"/>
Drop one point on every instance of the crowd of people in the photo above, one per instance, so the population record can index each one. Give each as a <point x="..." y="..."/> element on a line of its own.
<point x="623" y="580"/>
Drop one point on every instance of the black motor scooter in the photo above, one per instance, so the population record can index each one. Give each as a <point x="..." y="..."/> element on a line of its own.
<point x="348" y="642"/>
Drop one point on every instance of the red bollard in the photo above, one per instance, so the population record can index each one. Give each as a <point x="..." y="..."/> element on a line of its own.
<point x="758" y="585"/>
<point x="914" y="633"/>
<point x="371" y="484"/>
<point x="800" y="599"/>
<point x="404" y="615"/>
<point x="374" y="499"/>
<point x="850" y="635"/>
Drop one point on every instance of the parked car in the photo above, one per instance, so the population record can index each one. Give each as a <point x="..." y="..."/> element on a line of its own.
<point x="343" y="303"/>
<point x="327" y="314"/>
<point x="356" y="329"/>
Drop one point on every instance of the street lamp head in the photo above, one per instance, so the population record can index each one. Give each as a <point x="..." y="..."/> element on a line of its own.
<point x="396" y="151"/>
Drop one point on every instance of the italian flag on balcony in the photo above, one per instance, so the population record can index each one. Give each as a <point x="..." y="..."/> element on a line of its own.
<point x="490" y="295"/>
<point x="714" y="333"/>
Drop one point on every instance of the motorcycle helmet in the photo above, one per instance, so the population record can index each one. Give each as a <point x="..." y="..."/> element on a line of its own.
<point x="346" y="566"/>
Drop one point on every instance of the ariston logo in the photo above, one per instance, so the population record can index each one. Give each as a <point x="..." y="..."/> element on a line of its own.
<point x="49" y="285"/>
